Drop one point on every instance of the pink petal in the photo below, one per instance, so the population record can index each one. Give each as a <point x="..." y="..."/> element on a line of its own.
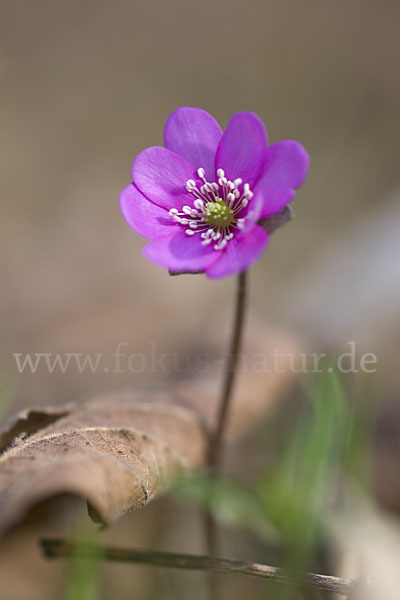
<point x="239" y="254"/>
<point x="146" y="218"/>
<point x="241" y="151"/>
<point x="285" y="169"/>
<point x="194" y="134"/>
<point x="179" y="252"/>
<point x="161" y="175"/>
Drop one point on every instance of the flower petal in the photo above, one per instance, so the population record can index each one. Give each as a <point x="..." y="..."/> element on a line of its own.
<point x="179" y="252"/>
<point x="239" y="254"/>
<point x="241" y="151"/>
<point x="285" y="169"/>
<point x="161" y="175"/>
<point x="194" y="134"/>
<point x="146" y="218"/>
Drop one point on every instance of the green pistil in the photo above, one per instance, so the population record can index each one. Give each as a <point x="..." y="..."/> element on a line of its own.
<point x="218" y="213"/>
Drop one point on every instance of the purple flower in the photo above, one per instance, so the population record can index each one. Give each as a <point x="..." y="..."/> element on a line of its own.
<point x="201" y="198"/>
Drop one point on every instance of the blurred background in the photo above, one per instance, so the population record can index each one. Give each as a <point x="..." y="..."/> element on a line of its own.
<point x="85" y="86"/>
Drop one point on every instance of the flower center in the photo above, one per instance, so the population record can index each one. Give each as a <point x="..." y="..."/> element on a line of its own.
<point x="217" y="208"/>
<point x="218" y="214"/>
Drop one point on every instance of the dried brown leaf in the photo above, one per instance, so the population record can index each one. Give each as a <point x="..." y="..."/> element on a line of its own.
<point x="120" y="450"/>
<point x="116" y="452"/>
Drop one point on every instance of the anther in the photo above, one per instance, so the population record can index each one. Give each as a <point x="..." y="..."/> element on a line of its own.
<point x="216" y="205"/>
<point x="190" y="185"/>
<point x="222" y="243"/>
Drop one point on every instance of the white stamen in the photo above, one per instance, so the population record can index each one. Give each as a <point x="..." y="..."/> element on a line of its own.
<point x="222" y="243"/>
<point x="190" y="185"/>
<point x="199" y="204"/>
<point x="197" y="217"/>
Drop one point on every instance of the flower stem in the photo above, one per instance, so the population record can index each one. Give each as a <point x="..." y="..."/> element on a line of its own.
<point x="216" y="438"/>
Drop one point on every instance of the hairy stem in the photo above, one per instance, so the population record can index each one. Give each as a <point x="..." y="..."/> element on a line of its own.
<point x="216" y="438"/>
